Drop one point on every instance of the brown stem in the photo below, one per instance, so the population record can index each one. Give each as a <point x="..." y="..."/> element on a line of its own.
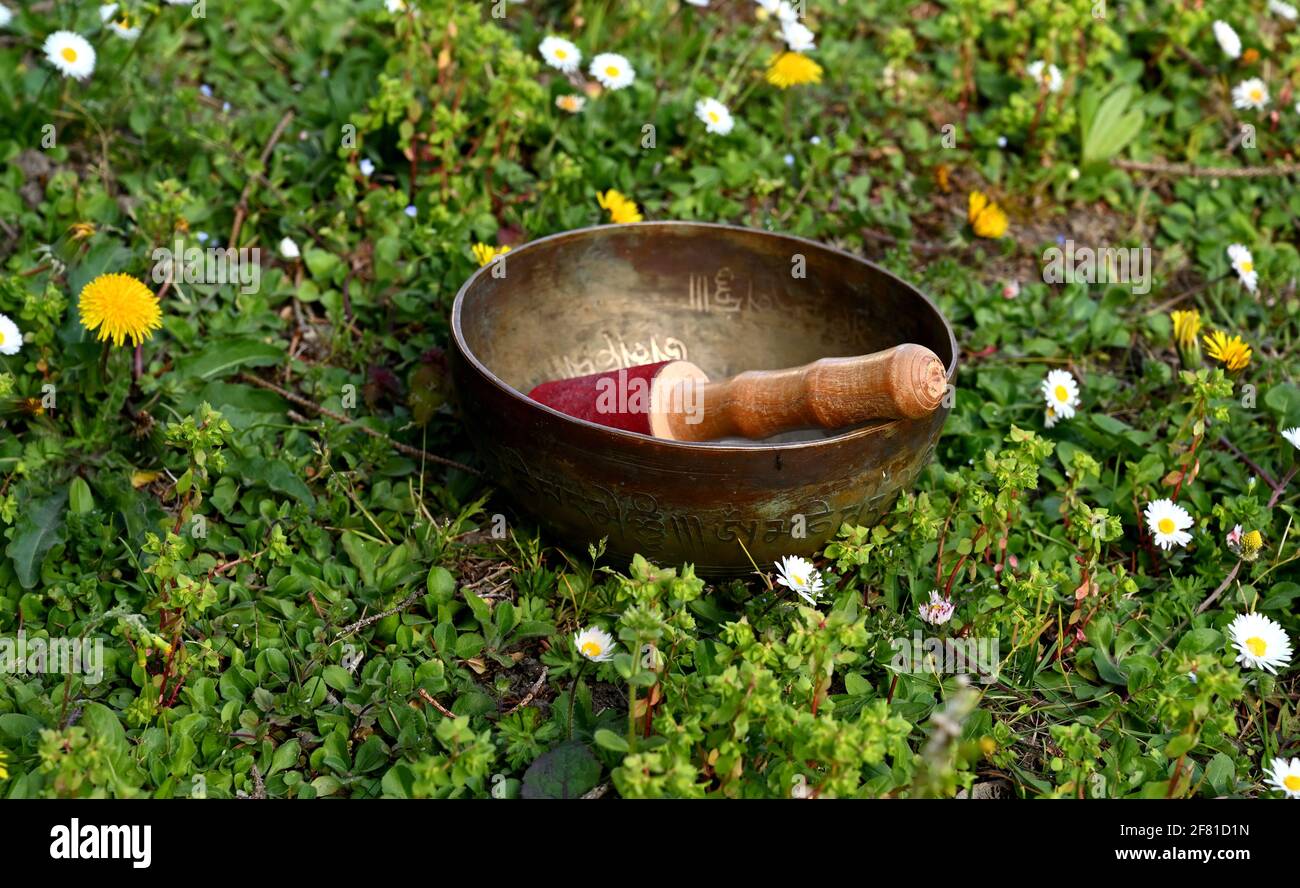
<point x="1254" y="467"/>
<point x="1214" y="596"/>
<point x="1281" y="487"/>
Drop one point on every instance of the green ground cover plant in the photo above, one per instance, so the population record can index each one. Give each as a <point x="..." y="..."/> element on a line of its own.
<point x="252" y="504"/>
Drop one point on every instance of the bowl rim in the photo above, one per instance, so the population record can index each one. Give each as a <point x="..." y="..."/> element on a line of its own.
<point x="688" y="446"/>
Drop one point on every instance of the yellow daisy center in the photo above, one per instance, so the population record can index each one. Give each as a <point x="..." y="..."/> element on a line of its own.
<point x="799" y="580"/>
<point x="1247" y="267"/>
<point x="2" y="337"/>
<point x="1257" y="645"/>
<point x="713" y="116"/>
<point x="611" y="71"/>
<point x="1256" y="95"/>
<point x="560" y="54"/>
<point x="1292" y="782"/>
<point x="69" y="53"/>
<point x="592" y="648"/>
<point x="1062" y="393"/>
<point x="1165" y="525"/>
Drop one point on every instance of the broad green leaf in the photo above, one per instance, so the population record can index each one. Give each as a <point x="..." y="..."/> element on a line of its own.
<point x="285" y="756"/>
<point x="37" y="531"/>
<point x="223" y="357"/>
<point x="566" y="772"/>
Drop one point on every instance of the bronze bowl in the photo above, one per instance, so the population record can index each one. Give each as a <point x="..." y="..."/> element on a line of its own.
<point x="729" y="299"/>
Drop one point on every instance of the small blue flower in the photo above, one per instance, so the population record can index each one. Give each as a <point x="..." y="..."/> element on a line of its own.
<point x="367" y="166"/>
<point x="411" y="211"/>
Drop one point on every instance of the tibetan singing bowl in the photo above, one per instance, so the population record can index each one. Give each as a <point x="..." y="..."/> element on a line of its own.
<point x="727" y="299"/>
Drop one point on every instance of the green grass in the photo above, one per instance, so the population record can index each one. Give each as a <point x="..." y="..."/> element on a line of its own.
<point x="298" y="595"/>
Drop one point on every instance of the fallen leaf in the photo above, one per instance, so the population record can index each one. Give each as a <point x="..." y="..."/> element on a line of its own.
<point x="141" y="479"/>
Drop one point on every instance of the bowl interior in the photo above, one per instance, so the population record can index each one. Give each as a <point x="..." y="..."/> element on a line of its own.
<point x="727" y="299"/>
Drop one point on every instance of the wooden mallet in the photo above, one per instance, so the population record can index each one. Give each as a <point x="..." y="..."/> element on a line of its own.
<point x="676" y="400"/>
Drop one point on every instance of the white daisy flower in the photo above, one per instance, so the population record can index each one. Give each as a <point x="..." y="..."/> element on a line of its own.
<point x="938" y="610"/>
<point x="700" y="3"/>
<point x="1250" y="93"/>
<point x="289" y="248"/>
<point x="797" y="36"/>
<point x="779" y="8"/>
<point x="395" y="6"/>
<point x="1234" y="536"/>
<point x="123" y="26"/>
<point x="572" y="103"/>
<point x="1285" y="10"/>
<point x="1293" y="436"/>
<point x="11" y="338"/>
<point x="1244" y="264"/>
<point x="1229" y="42"/>
<point x="595" y="644"/>
<point x="1261" y="643"/>
<point x="798" y="575"/>
<point x="1284" y="776"/>
<point x="71" y="53"/>
<point x="1061" y="393"/>
<point x="560" y="54"/>
<point x="6" y="16"/>
<point x="1168" y="523"/>
<point x="1046" y="75"/>
<point x="612" y="70"/>
<point x="714" y="114"/>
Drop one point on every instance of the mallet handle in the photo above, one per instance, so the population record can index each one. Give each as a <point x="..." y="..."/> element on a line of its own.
<point x="904" y="382"/>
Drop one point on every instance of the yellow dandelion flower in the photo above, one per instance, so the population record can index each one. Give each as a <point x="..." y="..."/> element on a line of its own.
<point x="789" y="69"/>
<point x="81" y="230"/>
<point x="1187" y="326"/>
<point x="1232" y="352"/>
<point x="986" y="217"/>
<point x="485" y="253"/>
<point x="622" y="210"/>
<point x="121" y="308"/>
